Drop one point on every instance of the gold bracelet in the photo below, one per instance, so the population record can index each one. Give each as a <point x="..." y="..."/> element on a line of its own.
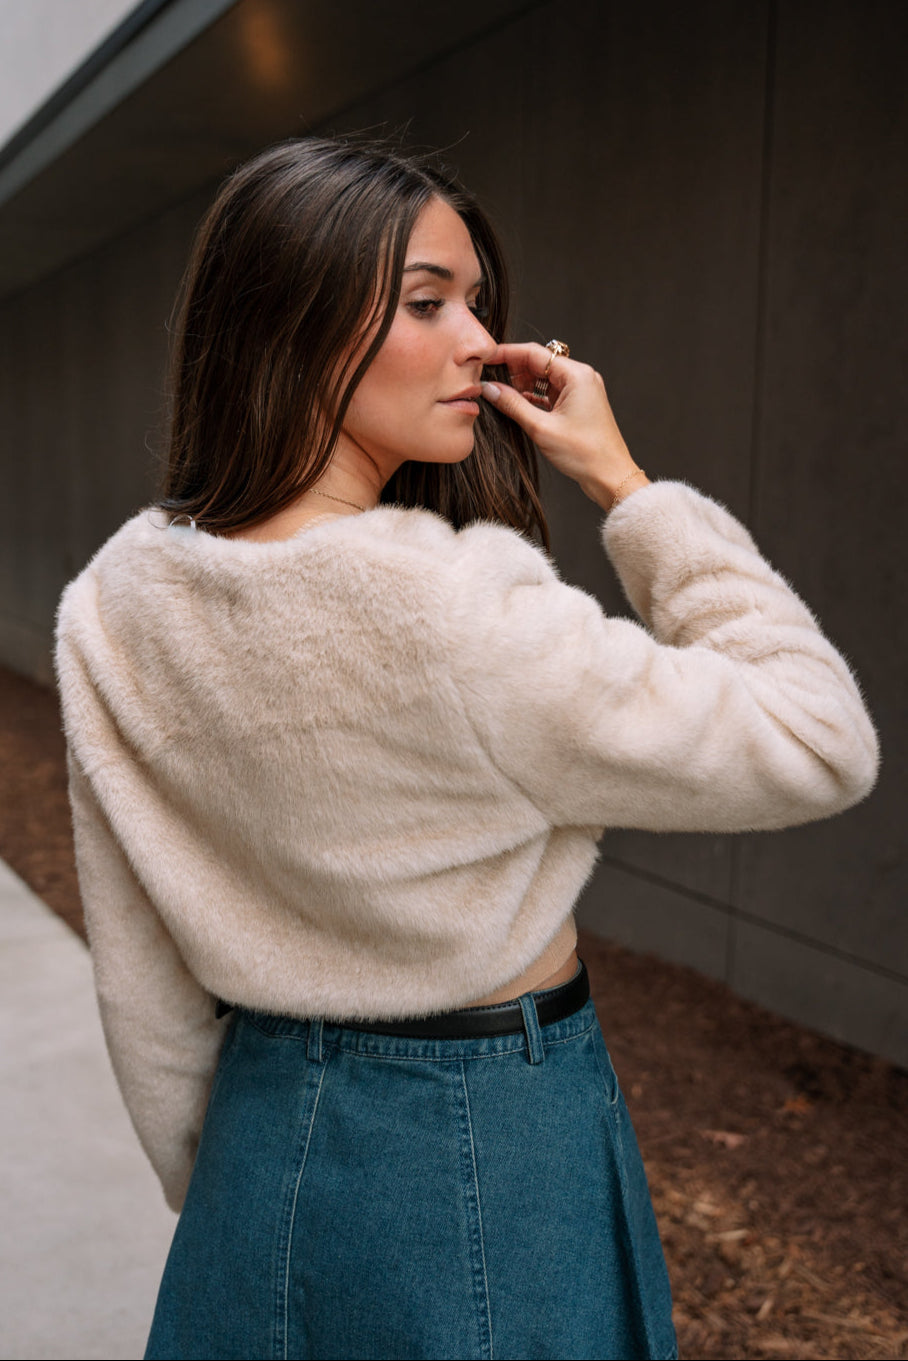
<point x="623" y="483"/>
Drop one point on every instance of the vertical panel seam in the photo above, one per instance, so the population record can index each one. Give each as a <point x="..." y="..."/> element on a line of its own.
<point x="296" y="1190"/>
<point x="475" y="1173"/>
<point x="759" y="371"/>
<point x="756" y="420"/>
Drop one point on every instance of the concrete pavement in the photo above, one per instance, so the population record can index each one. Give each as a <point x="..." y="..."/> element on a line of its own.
<point x="84" y="1230"/>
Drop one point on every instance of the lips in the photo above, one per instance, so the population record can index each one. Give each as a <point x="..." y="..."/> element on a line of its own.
<point x="467" y="400"/>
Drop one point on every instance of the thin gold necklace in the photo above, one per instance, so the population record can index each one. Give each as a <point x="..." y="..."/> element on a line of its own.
<point x="328" y="497"/>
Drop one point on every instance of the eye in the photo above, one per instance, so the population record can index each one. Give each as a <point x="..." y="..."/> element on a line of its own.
<point x="426" y="307"/>
<point x="480" y="313"/>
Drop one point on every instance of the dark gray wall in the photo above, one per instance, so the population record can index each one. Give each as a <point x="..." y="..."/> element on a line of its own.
<point x="708" y="202"/>
<point x="82" y="357"/>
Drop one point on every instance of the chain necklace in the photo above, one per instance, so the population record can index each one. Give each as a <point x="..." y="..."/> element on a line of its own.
<point x="328" y="497"/>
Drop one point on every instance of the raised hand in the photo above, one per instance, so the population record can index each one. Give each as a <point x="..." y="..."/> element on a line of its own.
<point x="573" y="425"/>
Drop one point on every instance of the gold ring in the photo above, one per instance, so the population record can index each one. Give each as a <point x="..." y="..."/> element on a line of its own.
<point x="560" y="350"/>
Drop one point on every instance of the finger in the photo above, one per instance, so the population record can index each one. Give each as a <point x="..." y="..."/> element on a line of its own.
<point x="528" y="364"/>
<point x="511" y="403"/>
<point x="527" y="355"/>
<point x="524" y="358"/>
<point x="554" y="380"/>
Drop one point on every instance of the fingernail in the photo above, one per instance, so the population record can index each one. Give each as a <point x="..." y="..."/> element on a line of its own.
<point x="491" y="391"/>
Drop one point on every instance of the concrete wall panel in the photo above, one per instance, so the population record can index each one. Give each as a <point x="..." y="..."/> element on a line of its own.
<point x="831" y="504"/>
<point x="83" y="418"/>
<point x="839" y="996"/>
<point x="643" y="914"/>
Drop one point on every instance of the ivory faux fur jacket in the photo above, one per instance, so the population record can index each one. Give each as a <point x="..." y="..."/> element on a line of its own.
<point x="362" y="772"/>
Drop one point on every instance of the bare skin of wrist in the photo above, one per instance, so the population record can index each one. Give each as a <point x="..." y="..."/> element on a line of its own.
<point x="604" y="492"/>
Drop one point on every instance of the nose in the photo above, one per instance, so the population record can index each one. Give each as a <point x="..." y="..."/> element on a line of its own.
<point x="475" y="342"/>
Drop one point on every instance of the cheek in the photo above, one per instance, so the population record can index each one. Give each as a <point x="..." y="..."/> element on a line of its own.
<point x="404" y="357"/>
<point x="409" y="354"/>
<point x="402" y="376"/>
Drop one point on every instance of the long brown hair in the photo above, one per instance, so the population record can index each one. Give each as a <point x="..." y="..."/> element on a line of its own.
<point x="299" y="258"/>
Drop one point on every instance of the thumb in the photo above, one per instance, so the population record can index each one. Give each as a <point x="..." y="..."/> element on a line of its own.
<point x="510" y="403"/>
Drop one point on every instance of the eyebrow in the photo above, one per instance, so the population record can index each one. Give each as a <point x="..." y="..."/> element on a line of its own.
<point x="439" y="271"/>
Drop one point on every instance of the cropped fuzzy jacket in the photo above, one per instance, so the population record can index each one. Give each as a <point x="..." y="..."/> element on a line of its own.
<point x="361" y="773"/>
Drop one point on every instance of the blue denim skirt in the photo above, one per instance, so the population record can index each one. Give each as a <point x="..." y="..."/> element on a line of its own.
<point x="377" y="1196"/>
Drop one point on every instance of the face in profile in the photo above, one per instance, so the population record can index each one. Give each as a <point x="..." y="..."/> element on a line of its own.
<point x="419" y="397"/>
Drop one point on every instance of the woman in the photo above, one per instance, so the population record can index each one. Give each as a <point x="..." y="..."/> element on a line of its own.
<point x="341" y="748"/>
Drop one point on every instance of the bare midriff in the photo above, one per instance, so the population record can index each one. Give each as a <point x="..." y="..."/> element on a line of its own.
<point x="557" y="964"/>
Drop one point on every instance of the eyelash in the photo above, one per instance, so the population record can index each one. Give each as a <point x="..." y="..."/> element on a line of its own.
<point x="430" y="307"/>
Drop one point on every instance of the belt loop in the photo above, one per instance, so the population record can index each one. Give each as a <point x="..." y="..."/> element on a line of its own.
<point x="314" y="1043"/>
<point x="535" y="1047"/>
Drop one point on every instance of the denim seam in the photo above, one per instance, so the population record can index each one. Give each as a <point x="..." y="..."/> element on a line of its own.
<point x="475" y="1230"/>
<point x="610" y="1087"/>
<point x="354" y="1051"/>
<point x="642" y="1301"/>
<point x="273" y="1033"/>
<point x="618" y="1116"/>
<point x="458" y="1058"/>
<point x="276" y="1034"/>
<point x="227" y="1047"/>
<point x="284" y="1305"/>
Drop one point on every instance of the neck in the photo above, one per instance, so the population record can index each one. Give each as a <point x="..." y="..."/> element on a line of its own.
<point x="351" y="484"/>
<point x="353" y="475"/>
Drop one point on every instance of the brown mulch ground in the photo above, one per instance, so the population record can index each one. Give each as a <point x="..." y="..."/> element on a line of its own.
<point x="777" y="1158"/>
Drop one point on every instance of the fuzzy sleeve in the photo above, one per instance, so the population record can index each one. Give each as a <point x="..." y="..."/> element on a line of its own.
<point x="159" y="1023"/>
<point x="727" y="710"/>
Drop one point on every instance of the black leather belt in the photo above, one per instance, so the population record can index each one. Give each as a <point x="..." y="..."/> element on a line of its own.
<point x="505" y="1018"/>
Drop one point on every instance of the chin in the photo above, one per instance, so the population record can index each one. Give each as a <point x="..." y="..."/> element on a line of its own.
<point x="447" y="454"/>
